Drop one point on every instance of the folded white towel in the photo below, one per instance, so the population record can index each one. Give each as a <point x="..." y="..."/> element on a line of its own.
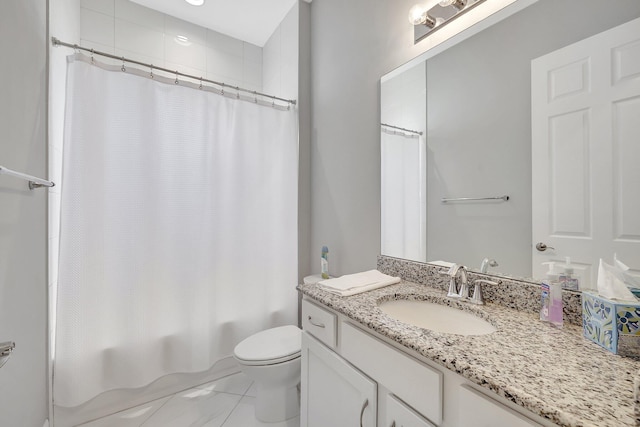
<point x="351" y="284"/>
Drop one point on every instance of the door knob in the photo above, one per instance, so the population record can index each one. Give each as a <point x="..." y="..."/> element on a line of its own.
<point x="543" y="247"/>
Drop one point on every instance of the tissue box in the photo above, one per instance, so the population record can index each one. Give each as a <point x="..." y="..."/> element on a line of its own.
<point x="612" y="324"/>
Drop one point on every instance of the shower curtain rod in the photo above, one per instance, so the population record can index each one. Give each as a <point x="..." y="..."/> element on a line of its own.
<point x="56" y="42"/>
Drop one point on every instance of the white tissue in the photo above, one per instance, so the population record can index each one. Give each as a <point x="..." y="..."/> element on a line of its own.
<point x="611" y="283"/>
<point x="629" y="280"/>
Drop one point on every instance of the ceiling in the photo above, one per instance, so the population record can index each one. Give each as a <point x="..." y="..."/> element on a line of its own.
<point x="252" y="21"/>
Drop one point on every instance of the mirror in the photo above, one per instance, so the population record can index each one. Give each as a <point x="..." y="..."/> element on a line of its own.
<point x="473" y="104"/>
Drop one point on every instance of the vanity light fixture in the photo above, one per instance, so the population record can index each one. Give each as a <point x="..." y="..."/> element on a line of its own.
<point x="432" y="15"/>
<point x="195" y="2"/>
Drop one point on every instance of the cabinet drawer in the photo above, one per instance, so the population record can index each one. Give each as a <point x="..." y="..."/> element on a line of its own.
<point x="400" y="415"/>
<point x="319" y="322"/>
<point x="415" y="383"/>
<point x="479" y="410"/>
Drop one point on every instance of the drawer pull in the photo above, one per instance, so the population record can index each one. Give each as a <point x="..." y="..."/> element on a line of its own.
<point x="319" y="325"/>
<point x="364" y="406"/>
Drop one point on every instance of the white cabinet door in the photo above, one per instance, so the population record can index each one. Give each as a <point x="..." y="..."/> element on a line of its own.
<point x="334" y="393"/>
<point x="478" y="410"/>
<point x="400" y="415"/>
<point x="585" y="101"/>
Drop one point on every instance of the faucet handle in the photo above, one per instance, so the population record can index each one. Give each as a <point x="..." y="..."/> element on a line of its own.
<point x="488" y="282"/>
<point x="478" y="297"/>
<point x="451" y="271"/>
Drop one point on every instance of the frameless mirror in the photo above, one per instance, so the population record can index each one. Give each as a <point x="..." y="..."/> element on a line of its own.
<point x="473" y="104"/>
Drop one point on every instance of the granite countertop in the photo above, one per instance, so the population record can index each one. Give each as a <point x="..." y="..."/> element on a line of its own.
<point x="555" y="373"/>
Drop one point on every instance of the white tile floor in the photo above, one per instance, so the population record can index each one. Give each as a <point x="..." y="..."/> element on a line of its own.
<point x="227" y="402"/>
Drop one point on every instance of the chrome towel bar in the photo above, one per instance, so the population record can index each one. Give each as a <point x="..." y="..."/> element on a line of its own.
<point x="33" y="181"/>
<point x="473" y="199"/>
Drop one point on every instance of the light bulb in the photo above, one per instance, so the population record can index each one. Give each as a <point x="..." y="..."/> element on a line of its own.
<point x="417" y="14"/>
<point x="195" y="2"/>
<point x="458" y="4"/>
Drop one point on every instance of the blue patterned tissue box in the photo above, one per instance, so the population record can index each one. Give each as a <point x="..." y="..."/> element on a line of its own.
<point x="611" y="324"/>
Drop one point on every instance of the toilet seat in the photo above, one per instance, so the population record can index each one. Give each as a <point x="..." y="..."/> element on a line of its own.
<point x="271" y="346"/>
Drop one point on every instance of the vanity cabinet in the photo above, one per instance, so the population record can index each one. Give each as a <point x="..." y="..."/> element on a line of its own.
<point x="481" y="411"/>
<point x="334" y="393"/>
<point x="401" y="415"/>
<point x="352" y="376"/>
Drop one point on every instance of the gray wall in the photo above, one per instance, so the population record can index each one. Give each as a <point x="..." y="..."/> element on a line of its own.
<point x="353" y="43"/>
<point x="23" y="239"/>
<point x="304" y="125"/>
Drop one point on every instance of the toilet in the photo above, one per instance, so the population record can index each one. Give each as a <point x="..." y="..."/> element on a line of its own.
<point x="272" y="359"/>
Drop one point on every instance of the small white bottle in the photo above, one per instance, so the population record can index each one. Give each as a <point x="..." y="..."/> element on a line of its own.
<point x="324" y="263"/>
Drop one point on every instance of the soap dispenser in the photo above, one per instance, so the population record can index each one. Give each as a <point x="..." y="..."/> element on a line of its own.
<point x="568" y="280"/>
<point x="551" y="300"/>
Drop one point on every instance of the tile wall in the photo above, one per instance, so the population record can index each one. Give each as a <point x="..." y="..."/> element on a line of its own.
<point x="124" y="28"/>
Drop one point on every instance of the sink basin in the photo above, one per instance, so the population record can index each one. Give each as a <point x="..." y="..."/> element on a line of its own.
<point x="436" y="317"/>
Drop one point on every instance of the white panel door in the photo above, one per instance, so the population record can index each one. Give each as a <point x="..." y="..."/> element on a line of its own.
<point x="586" y="151"/>
<point x="334" y="393"/>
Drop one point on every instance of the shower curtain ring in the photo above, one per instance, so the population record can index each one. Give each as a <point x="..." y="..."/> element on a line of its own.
<point x="92" y="59"/>
<point x="151" y="72"/>
<point x="176" y="82"/>
<point x="255" y="97"/>
<point x="123" y="68"/>
<point x="238" y="92"/>
<point x="200" y="87"/>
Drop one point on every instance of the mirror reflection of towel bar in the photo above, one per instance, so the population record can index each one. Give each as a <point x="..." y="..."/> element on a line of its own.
<point x="5" y="351"/>
<point x="473" y="199"/>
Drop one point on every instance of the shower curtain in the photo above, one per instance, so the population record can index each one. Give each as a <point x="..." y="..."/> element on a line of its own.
<point x="403" y="195"/>
<point x="178" y="229"/>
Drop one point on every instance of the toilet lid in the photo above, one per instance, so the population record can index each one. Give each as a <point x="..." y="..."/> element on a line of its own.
<point x="270" y="346"/>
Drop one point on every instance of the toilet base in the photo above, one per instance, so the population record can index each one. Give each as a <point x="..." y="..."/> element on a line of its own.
<point x="277" y="404"/>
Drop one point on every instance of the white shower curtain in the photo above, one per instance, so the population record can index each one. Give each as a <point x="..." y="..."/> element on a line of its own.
<point x="178" y="229"/>
<point x="403" y="195"/>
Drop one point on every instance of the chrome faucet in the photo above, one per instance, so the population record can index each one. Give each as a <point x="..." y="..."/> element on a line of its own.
<point x="486" y="263"/>
<point x="454" y="292"/>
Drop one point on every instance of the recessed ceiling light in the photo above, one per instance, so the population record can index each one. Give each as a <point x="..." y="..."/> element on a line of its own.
<point x="195" y="2"/>
<point x="182" y="40"/>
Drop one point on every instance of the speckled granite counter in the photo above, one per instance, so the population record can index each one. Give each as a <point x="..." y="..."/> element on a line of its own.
<point x="554" y="373"/>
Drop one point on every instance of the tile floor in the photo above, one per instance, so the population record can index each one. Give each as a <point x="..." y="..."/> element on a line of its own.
<point x="227" y="402"/>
